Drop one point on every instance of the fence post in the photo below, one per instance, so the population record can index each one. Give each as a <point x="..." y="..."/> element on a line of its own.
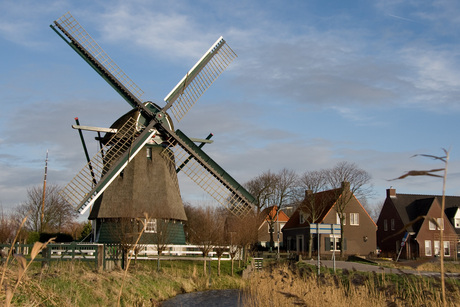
<point x="100" y="258"/>
<point x="46" y="254"/>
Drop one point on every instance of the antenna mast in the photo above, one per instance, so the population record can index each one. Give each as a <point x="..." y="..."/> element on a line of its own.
<point x="42" y="217"/>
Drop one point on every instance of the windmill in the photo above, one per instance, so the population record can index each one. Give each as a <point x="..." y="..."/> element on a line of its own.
<point x="119" y="182"/>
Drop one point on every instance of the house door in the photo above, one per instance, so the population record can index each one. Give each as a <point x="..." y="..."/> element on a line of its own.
<point x="300" y="243"/>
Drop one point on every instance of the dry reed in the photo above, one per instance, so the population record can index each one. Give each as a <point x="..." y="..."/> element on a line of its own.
<point x="287" y="286"/>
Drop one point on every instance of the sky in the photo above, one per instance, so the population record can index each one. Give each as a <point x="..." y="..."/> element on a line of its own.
<point x="315" y="83"/>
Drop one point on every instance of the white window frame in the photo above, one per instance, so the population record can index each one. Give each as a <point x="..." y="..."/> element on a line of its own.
<point x="437" y="248"/>
<point x="274" y="230"/>
<point x="354" y="219"/>
<point x="440" y="221"/>
<point x="446" y="248"/>
<point x="334" y="240"/>
<point x="150" y="225"/>
<point x="301" y="218"/>
<point x="431" y="225"/>
<point x="344" y="218"/>
<point x="428" y="248"/>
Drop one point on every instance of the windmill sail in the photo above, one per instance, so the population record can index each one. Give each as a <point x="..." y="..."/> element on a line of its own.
<point x="86" y="187"/>
<point x="199" y="78"/>
<point x="199" y="167"/>
<point x="97" y="58"/>
<point x="81" y="192"/>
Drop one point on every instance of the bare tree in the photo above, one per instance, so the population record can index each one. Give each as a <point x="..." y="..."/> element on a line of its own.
<point x="58" y="213"/>
<point x="349" y="181"/>
<point x="161" y="239"/>
<point x="273" y="189"/>
<point x="315" y="203"/>
<point x="203" y="229"/>
<point x="245" y="233"/>
<point x="262" y="188"/>
<point x="6" y="227"/>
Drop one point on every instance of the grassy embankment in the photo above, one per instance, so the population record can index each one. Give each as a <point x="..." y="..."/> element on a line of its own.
<point x="289" y="285"/>
<point x="77" y="284"/>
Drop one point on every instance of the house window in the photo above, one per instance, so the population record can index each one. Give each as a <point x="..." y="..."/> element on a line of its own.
<point x="437" y="247"/>
<point x="344" y="219"/>
<point x="300" y="243"/>
<point x="392" y="224"/>
<point x="457" y="223"/>
<point x="385" y="225"/>
<point x="440" y="222"/>
<point x="446" y="248"/>
<point x="432" y="225"/>
<point x="150" y="225"/>
<point x="354" y="218"/>
<point x="302" y="219"/>
<point x="427" y="248"/>
<point x="334" y="243"/>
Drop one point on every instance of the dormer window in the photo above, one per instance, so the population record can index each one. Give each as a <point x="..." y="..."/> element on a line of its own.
<point x="301" y="218"/>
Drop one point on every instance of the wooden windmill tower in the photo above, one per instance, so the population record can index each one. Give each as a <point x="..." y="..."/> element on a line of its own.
<point x="135" y="171"/>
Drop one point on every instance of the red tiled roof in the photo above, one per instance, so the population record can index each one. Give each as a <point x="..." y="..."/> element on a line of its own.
<point x="326" y="198"/>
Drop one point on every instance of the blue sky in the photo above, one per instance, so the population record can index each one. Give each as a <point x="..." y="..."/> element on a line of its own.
<point x="315" y="83"/>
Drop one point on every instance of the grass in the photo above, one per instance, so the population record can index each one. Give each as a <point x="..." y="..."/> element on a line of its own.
<point x="76" y="284"/>
<point x="289" y="285"/>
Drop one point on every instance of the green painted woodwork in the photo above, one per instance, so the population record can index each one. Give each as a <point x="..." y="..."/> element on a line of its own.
<point x="127" y="230"/>
<point x="216" y="168"/>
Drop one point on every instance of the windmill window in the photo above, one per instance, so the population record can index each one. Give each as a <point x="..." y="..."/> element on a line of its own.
<point x="150" y="225"/>
<point x="149" y="153"/>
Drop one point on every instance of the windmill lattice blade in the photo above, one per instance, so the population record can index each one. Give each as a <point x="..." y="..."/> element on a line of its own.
<point x="199" y="78"/>
<point x="217" y="187"/>
<point x="80" y="36"/>
<point x="79" y="191"/>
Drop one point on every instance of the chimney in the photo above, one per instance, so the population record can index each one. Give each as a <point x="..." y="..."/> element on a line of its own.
<point x="345" y="186"/>
<point x="391" y="192"/>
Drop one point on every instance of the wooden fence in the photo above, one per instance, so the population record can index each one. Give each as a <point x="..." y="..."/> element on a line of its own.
<point x="107" y="256"/>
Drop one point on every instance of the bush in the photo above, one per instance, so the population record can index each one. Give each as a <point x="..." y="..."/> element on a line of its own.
<point x="33" y="237"/>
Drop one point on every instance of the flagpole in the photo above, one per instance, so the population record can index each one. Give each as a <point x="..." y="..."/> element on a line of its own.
<point x="42" y="217"/>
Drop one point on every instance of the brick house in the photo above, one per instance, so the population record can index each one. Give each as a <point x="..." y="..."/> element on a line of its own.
<point x="270" y="217"/>
<point x="404" y="213"/>
<point x="359" y="229"/>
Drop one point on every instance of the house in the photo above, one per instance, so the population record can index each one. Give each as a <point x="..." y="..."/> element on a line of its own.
<point x="412" y="216"/>
<point x="273" y="218"/>
<point x="359" y="229"/>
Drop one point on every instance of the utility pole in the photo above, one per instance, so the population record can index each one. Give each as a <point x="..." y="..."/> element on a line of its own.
<point x="42" y="217"/>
